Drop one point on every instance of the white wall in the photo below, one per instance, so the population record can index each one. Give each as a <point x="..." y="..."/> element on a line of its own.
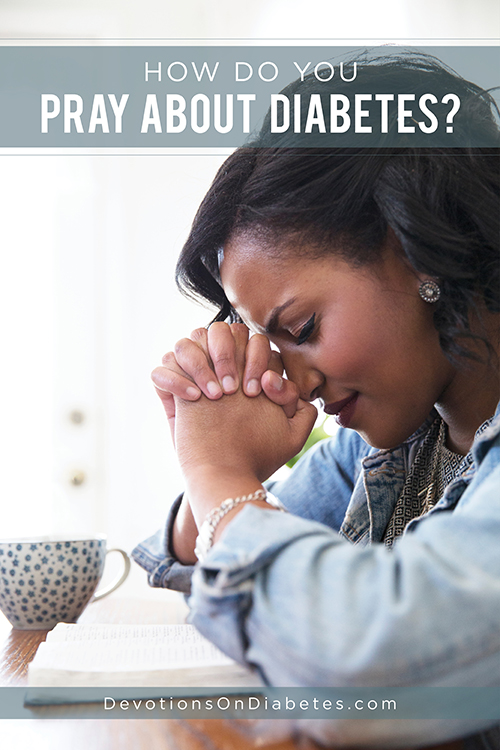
<point x="89" y="306"/>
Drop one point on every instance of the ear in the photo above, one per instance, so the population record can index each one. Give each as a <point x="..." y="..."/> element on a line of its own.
<point x="427" y="287"/>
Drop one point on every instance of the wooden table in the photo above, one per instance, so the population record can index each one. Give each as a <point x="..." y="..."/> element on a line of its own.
<point x="18" y="647"/>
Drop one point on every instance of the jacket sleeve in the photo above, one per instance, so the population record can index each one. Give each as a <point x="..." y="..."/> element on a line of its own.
<point x="155" y="555"/>
<point x="291" y="597"/>
<point x="319" y="487"/>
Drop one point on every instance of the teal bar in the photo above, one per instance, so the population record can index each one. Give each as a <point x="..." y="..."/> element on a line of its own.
<point x="100" y="80"/>
<point x="448" y="704"/>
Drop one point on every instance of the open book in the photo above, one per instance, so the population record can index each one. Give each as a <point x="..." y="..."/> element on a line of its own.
<point x="133" y="656"/>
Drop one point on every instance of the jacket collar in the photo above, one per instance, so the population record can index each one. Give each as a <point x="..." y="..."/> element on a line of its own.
<point x="381" y="481"/>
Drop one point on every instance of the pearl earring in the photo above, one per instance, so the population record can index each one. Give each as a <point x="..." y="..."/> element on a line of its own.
<point x="430" y="291"/>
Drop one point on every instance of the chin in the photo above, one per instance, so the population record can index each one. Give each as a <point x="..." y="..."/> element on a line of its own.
<point x="384" y="441"/>
<point x="376" y="443"/>
<point x="386" y="428"/>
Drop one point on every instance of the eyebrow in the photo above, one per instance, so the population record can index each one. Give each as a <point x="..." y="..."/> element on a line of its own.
<point x="272" y="324"/>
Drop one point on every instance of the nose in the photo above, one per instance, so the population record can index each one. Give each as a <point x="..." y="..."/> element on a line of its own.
<point x="307" y="378"/>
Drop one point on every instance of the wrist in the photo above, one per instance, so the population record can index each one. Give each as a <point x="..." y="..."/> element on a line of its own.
<point x="208" y="486"/>
<point x="213" y="520"/>
<point x="234" y="512"/>
<point x="183" y="534"/>
<point x="217" y="519"/>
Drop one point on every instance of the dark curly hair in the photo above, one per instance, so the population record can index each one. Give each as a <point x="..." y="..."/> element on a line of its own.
<point x="442" y="203"/>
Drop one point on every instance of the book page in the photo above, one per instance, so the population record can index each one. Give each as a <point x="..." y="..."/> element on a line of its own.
<point x="174" y="634"/>
<point x="120" y="648"/>
<point x="133" y="655"/>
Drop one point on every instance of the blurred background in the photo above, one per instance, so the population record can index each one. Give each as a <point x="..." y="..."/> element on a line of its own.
<point x="88" y="250"/>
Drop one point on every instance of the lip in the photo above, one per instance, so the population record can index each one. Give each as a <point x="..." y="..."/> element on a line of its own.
<point x="343" y="410"/>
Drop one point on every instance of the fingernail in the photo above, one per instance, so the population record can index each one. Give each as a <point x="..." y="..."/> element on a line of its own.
<point x="276" y="381"/>
<point x="192" y="392"/>
<point x="229" y="384"/>
<point x="253" y="387"/>
<point x="213" y="388"/>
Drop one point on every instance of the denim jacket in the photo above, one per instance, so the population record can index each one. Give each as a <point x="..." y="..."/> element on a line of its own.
<point x="310" y="599"/>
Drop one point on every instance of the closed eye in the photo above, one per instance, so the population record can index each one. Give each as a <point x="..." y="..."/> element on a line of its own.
<point x="306" y="331"/>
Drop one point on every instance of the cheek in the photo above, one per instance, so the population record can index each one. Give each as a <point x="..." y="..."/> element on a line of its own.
<point x="349" y="348"/>
<point x="378" y="345"/>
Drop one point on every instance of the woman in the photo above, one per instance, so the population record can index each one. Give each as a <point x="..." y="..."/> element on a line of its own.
<point x="375" y="274"/>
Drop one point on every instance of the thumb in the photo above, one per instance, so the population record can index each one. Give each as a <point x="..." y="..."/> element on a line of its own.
<point x="302" y="422"/>
<point x="281" y="391"/>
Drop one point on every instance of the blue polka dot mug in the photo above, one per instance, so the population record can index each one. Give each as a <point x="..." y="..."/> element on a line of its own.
<point x="48" y="580"/>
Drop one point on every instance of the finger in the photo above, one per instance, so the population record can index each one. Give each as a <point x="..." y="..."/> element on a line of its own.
<point x="168" y="382"/>
<point x="200" y="338"/>
<point x="240" y="334"/>
<point x="193" y="361"/>
<point x="222" y="349"/>
<point x="281" y="391"/>
<point x="276" y="363"/>
<point x="258" y="355"/>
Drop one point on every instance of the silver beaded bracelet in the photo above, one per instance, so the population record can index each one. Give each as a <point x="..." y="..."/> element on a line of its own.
<point x="205" y="537"/>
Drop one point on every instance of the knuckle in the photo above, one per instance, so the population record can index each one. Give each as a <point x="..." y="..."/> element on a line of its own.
<point x="182" y="346"/>
<point x="168" y="358"/>
<point x="222" y="359"/>
<point x="219" y="327"/>
<point x="158" y="371"/>
<point x="167" y="377"/>
<point x="238" y="327"/>
<point x="199" y="334"/>
<point x="258" y="339"/>
<point x="240" y="330"/>
<point x="199" y="369"/>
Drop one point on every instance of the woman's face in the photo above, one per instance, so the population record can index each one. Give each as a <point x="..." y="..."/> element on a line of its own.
<point x="361" y="340"/>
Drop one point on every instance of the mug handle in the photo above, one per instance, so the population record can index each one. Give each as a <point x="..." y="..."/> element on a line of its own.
<point x="118" y="582"/>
